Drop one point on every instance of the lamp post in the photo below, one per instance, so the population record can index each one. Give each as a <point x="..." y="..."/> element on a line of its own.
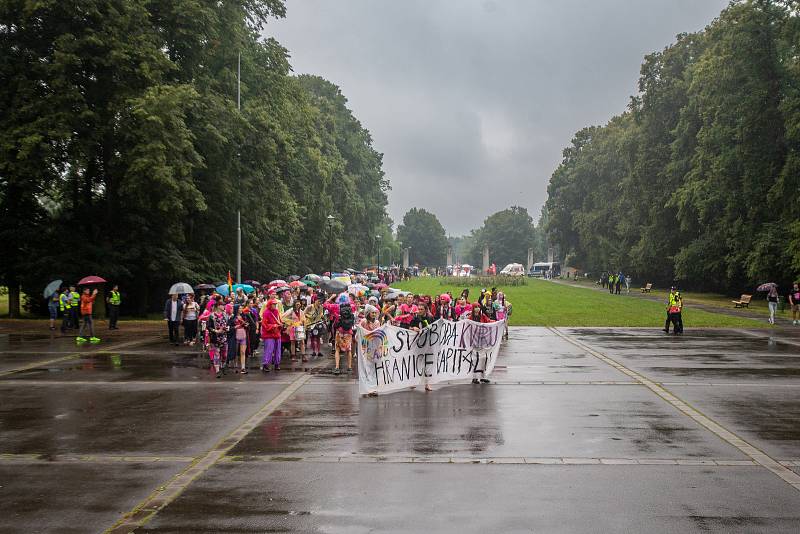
<point x="378" y="254"/>
<point x="330" y="220"/>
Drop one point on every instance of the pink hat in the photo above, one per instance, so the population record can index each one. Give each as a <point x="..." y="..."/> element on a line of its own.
<point x="445" y="298"/>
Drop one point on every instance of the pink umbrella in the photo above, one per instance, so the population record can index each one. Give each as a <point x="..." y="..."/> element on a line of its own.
<point x="276" y="283"/>
<point x="766" y="287"/>
<point x="380" y="286"/>
<point x="297" y="283"/>
<point x="85" y="281"/>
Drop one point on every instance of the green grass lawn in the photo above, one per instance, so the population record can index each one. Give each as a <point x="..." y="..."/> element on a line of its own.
<point x="757" y="305"/>
<point x="543" y="303"/>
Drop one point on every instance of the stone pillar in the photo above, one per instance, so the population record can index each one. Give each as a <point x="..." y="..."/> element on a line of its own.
<point x="405" y="258"/>
<point x="485" y="259"/>
<point x="449" y="255"/>
<point x="551" y="254"/>
<point x="530" y="259"/>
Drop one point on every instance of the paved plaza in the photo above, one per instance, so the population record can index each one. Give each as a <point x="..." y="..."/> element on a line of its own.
<point x="582" y="430"/>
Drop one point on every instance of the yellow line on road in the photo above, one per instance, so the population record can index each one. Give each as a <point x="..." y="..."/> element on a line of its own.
<point x="71" y="356"/>
<point x="164" y="495"/>
<point x="756" y="454"/>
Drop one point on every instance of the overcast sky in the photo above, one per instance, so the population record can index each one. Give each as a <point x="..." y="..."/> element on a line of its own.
<point x="472" y="101"/>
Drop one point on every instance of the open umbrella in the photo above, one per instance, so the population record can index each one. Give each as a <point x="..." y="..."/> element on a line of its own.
<point x="51" y="288"/>
<point x="181" y="288"/>
<point x="357" y="290"/>
<point x="333" y="286"/>
<point x="297" y="283"/>
<point x="310" y="283"/>
<point x="293" y="278"/>
<point x="254" y="283"/>
<point x="392" y="295"/>
<point x="86" y="280"/>
<point x="282" y="289"/>
<point x="276" y="283"/>
<point x="313" y="277"/>
<point x="380" y="286"/>
<point x="205" y="286"/>
<point x="766" y="287"/>
<point x="223" y="290"/>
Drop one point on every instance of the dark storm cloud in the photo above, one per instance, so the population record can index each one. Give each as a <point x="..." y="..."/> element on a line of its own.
<point x="472" y="101"/>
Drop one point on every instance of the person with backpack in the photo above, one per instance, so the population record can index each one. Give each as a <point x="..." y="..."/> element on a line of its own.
<point x="344" y="334"/>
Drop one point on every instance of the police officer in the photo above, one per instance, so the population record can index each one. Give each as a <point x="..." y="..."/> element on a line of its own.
<point x="74" y="306"/>
<point x="114" y="300"/>
<point x="64" y="305"/>
<point x="674" y="309"/>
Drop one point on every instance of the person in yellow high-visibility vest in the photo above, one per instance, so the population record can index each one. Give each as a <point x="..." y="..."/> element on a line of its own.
<point x="64" y="306"/>
<point x="75" y="304"/>
<point x="674" y="309"/>
<point x="114" y="300"/>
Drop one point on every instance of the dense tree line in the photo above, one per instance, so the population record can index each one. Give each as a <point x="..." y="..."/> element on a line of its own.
<point x="699" y="180"/>
<point x="424" y="236"/>
<point x="508" y="233"/>
<point x="123" y="153"/>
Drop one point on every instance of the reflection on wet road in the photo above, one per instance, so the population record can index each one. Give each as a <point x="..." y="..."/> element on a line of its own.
<point x="562" y="441"/>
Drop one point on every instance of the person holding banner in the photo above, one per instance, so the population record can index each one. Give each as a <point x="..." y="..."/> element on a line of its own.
<point x="478" y="316"/>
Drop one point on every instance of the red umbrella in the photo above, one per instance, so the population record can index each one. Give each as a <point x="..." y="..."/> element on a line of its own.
<point x="380" y="286"/>
<point x="85" y="281"/>
<point x="297" y="283"/>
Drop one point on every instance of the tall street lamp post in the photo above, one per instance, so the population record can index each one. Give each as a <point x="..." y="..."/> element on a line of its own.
<point x="330" y="220"/>
<point x="378" y="256"/>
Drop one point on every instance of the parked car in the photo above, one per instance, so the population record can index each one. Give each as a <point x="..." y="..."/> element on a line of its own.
<point x="513" y="269"/>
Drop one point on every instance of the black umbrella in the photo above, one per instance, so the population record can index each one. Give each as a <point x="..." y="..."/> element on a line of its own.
<point x="333" y="286"/>
<point x="293" y="278"/>
<point x="205" y="286"/>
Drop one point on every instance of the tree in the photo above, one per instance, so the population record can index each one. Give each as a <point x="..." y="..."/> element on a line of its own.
<point x="422" y="232"/>
<point x="123" y="151"/>
<point x="508" y="233"/>
<point x="692" y="182"/>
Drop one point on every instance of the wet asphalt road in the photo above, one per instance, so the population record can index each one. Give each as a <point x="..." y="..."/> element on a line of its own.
<point x="582" y="430"/>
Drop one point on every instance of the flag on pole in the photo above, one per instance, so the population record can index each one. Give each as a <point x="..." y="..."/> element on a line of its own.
<point x="230" y="284"/>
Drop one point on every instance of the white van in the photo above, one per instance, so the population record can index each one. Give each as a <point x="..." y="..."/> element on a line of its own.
<point x="513" y="269"/>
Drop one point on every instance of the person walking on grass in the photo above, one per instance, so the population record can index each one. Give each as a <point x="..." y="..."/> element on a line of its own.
<point x="794" y="303"/>
<point x="772" y="303"/>
<point x="618" y="284"/>
<point x="87" y="301"/>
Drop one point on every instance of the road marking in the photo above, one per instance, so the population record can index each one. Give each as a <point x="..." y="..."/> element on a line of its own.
<point x="164" y="495"/>
<point x="362" y="458"/>
<point x="93" y="458"/>
<point x="172" y="383"/>
<point x="73" y="355"/>
<point x="757" y="455"/>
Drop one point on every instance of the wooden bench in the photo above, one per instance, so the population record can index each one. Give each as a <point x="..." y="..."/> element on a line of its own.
<point x="647" y="287"/>
<point x="743" y="302"/>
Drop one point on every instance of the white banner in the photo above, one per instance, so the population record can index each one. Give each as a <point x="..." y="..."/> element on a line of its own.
<point x="391" y="358"/>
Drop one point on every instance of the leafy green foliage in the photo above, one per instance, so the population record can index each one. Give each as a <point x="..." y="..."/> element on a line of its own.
<point x="509" y="234"/>
<point x="424" y="234"/>
<point x="123" y="152"/>
<point x="698" y="180"/>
